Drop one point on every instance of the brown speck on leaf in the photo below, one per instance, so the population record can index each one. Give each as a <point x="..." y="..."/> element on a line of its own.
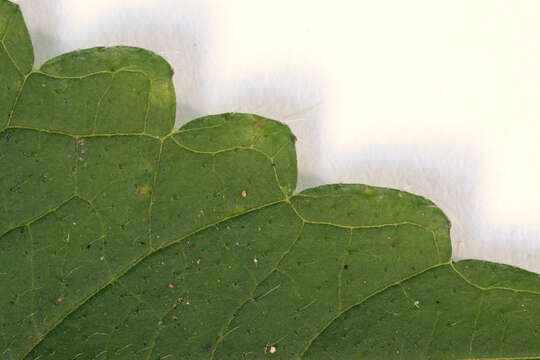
<point x="198" y="261"/>
<point x="157" y="236"/>
<point x="244" y="193"/>
<point x="237" y="243"/>
<point x="160" y="322"/>
<point x="400" y="195"/>
<point x="60" y="299"/>
<point x="272" y="349"/>
<point x="171" y="286"/>
<point x="187" y="302"/>
<point x="255" y="260"/>
<point x="174" y="306"/>
<point x="67" y="238"/>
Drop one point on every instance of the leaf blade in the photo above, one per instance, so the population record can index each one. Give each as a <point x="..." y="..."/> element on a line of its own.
<point x="122" y="239"/>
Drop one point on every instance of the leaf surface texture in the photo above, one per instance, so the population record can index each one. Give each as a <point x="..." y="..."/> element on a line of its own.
<point x="123" y="239"/>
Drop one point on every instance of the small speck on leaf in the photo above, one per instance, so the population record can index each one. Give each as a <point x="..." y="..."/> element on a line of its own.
<point x="244" y="193"/>
<point x="171" y="286"/>
<point x="272" y="349"/>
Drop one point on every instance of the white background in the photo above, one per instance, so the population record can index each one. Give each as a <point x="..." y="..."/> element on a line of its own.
<point x="440" y="98"/>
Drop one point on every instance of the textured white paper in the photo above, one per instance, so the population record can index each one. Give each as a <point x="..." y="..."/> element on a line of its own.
<point x="439" y="98"/>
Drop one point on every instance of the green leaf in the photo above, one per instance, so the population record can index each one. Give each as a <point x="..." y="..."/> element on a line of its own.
<point x="123" y="239"/>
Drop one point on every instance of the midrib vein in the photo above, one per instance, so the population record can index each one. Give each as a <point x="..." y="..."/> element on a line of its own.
<point x="130" y="266"/>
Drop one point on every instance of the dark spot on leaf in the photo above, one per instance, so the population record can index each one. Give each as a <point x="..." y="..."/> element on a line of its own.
<point x="346" y="266"/>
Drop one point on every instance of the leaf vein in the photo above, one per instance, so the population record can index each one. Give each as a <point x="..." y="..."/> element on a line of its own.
<point x="249" y="297"/>
<point x="158" y="164"/>
<point x="361" y="301"/>
<point x="40" y="216"/>
<point x="98" y="105"/>
<point x="8" y="53"/>
<point x="475" y="323"/>
<point x="134" y="263"/>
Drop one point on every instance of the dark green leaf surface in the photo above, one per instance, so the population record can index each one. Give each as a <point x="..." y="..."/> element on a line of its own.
<point x="121" y="239"/>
